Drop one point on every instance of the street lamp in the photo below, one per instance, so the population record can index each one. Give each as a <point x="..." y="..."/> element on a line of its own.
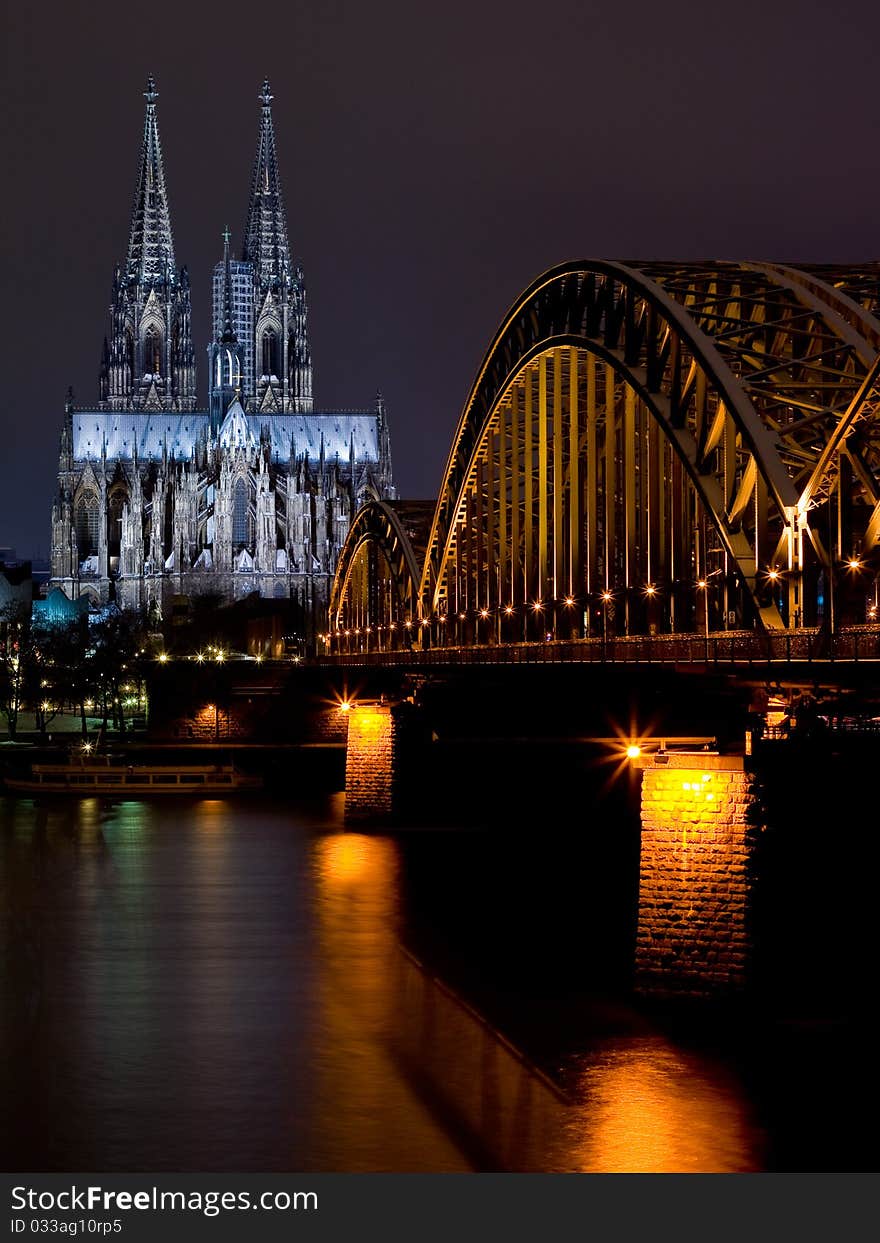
<point x="606" y="600"/>
<point x="703" y="585"/>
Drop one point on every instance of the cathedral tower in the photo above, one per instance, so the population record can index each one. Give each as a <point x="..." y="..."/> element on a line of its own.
<point x="157" y="499"/>
<point x="225" y="353"/>
<point x="278" y="348"/>
<point x="148" y="361"/>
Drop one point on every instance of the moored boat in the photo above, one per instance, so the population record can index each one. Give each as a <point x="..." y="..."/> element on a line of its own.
<point x="130" y="780"/>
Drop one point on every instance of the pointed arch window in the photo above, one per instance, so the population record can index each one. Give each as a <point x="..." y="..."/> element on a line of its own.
<point x="230" y="367"/>
<point x="86" y="522"/>
<point x="240" y="515"/>
<point x="269" y="353"/>
<point x="152" y="352"/>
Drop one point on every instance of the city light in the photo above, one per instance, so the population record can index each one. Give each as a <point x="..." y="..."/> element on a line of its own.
<point x="773" y="574"/>
<point x="854" y="563"/>
<point x="606" y="596"/>
<point x="509" y="609"/>
<point x="163" y="658"/>
<point x="345" y="706"/>
<point x="633" y="751"/>
<point x="569" y="601"/>
<point x="220" y="657"/>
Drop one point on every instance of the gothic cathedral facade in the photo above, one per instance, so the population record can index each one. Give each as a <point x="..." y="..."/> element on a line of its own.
<point x="158" y="499"/>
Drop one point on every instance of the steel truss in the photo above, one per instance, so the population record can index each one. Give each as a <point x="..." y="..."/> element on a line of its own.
<point x="657" y="446"/>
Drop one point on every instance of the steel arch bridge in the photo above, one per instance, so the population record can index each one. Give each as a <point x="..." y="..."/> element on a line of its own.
<point x="647" y="447"/>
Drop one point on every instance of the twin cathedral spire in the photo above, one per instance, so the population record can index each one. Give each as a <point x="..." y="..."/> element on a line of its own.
<point x="260" y="349"/>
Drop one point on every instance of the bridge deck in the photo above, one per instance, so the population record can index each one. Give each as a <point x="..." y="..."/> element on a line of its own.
<point x="810" y="646"/>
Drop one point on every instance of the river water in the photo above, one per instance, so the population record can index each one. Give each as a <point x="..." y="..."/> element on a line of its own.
<point x="222" y="985"/>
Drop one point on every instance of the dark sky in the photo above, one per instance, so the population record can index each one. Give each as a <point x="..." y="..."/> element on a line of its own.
<point x="435" y="158"/>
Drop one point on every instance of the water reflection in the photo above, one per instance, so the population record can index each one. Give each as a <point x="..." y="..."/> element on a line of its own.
<point x="222" y="986"/>
<point x="645" y="1107"/>
<point x="366" y="1114"/>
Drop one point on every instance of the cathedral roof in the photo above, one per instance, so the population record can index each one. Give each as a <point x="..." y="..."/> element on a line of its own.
<point x="122" y="433"/>
<point x="235" y="431"/>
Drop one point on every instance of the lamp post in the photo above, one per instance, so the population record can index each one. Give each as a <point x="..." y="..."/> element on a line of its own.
<point x="606" y="600"/>
<point x="704" y="587"/>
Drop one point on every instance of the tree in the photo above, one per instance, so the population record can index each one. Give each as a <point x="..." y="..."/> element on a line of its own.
<point x="15" y="638"/>
<point x="66" y="676"/>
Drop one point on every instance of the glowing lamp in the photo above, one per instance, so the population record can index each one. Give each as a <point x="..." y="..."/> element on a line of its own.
<point x="633" y="752"/>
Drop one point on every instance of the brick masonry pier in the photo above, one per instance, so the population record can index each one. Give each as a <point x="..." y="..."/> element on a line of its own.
<point x="698" y="841"/>
<point x="370" y="763"/>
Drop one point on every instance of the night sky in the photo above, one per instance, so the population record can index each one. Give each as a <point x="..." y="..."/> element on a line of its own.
<point x="435" y="158"/>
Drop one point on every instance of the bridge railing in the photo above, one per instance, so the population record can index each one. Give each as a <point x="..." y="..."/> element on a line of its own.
<point x="725" y="648"/>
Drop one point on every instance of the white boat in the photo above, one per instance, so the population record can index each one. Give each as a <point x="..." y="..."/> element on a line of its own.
<point x="89" y="777"/>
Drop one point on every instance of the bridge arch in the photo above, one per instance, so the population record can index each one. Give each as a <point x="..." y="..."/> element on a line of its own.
<point x="666" y="443"/>
<point x="377" y="577"/>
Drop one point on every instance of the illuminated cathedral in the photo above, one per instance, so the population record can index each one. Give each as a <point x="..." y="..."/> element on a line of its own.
<point x="158" y="499"/>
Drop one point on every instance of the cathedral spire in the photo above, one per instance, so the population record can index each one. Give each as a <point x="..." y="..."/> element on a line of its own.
<point x="265" y="235"/>
<point x="225" y="352"/>
<point x="229" y="334"/>
<point x="150" y="246"/>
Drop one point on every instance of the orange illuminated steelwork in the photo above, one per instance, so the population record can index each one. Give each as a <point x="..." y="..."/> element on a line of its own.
<point x="622" y="426"/>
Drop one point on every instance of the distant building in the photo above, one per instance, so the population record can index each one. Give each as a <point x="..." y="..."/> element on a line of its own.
<point x="157" y="499"/>
<point x="16" y="583"/>
<point x="57" y="609"/>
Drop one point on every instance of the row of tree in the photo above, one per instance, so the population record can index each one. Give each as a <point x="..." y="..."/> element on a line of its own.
<point x="89" y="668"/>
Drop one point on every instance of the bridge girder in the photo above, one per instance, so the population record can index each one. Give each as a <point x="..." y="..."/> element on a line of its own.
<point x="761" y="378"/>
<point x="644" y="427"/>
<point x="378" y="570"/>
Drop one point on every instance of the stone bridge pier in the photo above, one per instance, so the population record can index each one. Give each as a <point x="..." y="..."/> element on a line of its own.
<point x="698" y="848"/>
<point x="699" y="834"/>
<point x="381" y="737"/>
